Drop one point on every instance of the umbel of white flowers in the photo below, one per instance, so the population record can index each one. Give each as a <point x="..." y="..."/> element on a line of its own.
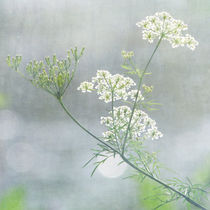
<point x="117" y="87"/>
<point x="163" y="25"/>
<point x="142" y="127"/>
<point x="108" y="86"/>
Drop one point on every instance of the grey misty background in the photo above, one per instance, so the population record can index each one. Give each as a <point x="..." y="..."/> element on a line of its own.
<point x="43" y="150"/>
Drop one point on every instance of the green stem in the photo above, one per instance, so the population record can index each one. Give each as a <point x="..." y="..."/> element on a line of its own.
<point x="163" y="184"/>
<point x="72" y="76"/>
<point x="112" y="107"/>
<point x="137" y="94"/>
<point x="128" y="162"/>
<point x="86" y="130"/>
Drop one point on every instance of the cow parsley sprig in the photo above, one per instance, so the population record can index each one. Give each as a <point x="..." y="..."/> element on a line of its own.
<point x="128" y="126"/>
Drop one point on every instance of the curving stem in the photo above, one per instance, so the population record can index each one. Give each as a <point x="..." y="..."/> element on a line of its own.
<point x="127" y="161"/>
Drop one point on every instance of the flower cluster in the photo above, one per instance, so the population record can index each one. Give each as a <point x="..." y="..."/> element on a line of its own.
<point x="147" y="89"/>
<point x="142" y="127"/>
<point x="14" y="62"/>
<point x="53" y="75"/>
<point x="55" y="78"/>
<point x="86" y="87"/>
<point x="133" y="95"/>
<point x="109" y="87"/>
<point x="164" y="25"/>
<point x="126" y="54"/>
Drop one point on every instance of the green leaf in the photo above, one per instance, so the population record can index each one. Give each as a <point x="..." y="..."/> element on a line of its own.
<point x="88" y="161"/>
<point x="126" y="67"/>
<point x="95" y="169"/>
<point x="131" y="72"/>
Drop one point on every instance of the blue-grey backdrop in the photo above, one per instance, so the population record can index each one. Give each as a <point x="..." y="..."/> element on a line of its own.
<point x="43" y="150"/>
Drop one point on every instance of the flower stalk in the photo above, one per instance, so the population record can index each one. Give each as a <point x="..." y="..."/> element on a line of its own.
<point x="138" y="90"/>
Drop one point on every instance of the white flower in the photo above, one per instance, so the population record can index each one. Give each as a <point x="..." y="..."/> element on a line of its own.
<point x="133" y="94"/>
<point x="117" y="87"/>
<point x="108" y="86"/>
<point x="86" y="87"/>
<point x="109" y="136"/>
<point x="154" y="133"/>
<point x="142" y="127"/>
<point x="190" y="41"/>
<point x="163" y="25"/>
<point x="106" y="121"/>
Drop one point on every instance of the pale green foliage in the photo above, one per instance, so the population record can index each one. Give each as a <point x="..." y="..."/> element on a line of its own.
<point x="196" y="192"/>
<point x="52" y="75"/>
<point x="14" y="62"/>
<point x="156" y="196"/>
<point x="160" y="196"/>
<point x="151" y="196"/>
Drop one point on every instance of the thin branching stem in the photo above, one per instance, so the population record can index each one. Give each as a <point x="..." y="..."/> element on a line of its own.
<point x="163" y="184"/>
<point x="137" y="94"/>
<point x="72" y="76"/>
<point x="128" y="162"/>
<point x="86" y="130"/>
<point x="112" y="108"/>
